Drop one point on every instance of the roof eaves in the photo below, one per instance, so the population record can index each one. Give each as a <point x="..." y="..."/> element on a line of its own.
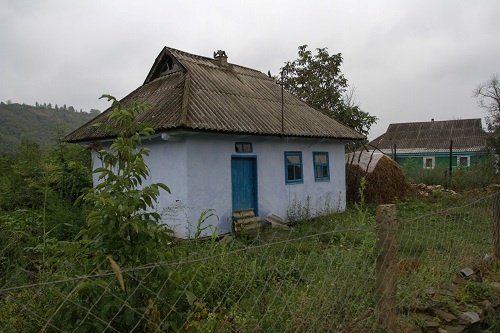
<point x="256" y="133"/>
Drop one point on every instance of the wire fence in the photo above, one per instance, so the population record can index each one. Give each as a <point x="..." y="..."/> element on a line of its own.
<point x="317" y="276"/>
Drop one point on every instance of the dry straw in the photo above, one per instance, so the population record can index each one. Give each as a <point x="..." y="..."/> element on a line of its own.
<point x="385" y="181"/>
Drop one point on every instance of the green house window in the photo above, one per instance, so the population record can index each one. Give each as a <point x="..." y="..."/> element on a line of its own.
<point x="463" y="161"/>
<point x="429" y="162"/>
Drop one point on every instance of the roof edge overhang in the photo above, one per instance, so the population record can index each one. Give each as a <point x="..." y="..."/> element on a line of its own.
<point x="185" y="130"/>
<point x="404" y="153"/>
<point x="263" y="134"/>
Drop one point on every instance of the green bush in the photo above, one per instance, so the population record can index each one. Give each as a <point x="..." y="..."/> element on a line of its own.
<point x="478" y="175"/>
<point x="122" y="231"/>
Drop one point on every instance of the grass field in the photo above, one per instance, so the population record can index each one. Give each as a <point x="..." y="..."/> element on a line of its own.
<point x="318" y="276"/>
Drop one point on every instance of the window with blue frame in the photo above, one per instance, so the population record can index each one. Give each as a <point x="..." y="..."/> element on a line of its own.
<point x="293" y="167"/>
<point x="321" y="167"/>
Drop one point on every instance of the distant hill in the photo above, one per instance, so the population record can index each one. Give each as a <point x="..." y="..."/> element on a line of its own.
<point x="37" y="123"/>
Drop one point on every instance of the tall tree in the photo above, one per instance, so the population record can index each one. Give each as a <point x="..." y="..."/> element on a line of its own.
<point x="317" y="80"/>
<point x="488" y="98"/>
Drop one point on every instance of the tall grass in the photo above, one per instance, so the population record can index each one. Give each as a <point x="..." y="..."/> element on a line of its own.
<point x="439" y="237"/>
<point x="318" y="276"/>
<point x="461" y="178"/>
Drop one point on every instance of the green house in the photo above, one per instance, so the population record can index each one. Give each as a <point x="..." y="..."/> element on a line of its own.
<point x="431" y="144"/>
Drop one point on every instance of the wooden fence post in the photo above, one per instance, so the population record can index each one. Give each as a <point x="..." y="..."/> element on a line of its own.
<point x="496" y="224"/>
<point x="386" y="268"/>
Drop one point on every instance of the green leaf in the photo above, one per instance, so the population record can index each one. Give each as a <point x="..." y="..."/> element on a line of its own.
<point x="135" y="225"/>
<point x="191" y="298"/>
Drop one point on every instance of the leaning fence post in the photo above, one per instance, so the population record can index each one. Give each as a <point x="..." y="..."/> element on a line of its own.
<point x="496" y="224"/>
<point x="386" y="268"/>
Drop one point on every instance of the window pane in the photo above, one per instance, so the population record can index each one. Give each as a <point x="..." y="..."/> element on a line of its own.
<point x="290" y="173"/>
<point x="297" y="173"/>
<point x="243" y="147"/>
<point x="428" y="163"/>
<point x="293" y="167"/>
<point x="294" y="159"/>
<point x="320" y="159"/>
<point x="319" y="173"/>
<point x="463" y="161"/>
<point x="325" y="172"/>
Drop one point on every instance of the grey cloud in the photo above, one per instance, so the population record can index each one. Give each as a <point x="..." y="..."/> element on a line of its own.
<point x="409" y="60"/>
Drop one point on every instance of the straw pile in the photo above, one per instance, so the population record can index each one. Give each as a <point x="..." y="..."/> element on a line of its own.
<point x="385" y="181"/>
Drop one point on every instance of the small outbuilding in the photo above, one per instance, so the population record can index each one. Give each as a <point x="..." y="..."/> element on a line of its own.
<point x="229" y="138"/>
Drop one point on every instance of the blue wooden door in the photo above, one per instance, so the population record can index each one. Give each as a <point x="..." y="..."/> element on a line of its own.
<point x="244" y="183"/>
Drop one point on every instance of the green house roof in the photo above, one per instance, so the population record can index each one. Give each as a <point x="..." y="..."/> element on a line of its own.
<point x="466" y="135"/>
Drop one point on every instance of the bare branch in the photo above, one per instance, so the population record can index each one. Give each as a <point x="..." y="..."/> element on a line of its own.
<point x="488" y="98"/>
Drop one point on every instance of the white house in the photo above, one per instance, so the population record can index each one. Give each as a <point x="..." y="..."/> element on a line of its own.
<point x="229" y="138"/>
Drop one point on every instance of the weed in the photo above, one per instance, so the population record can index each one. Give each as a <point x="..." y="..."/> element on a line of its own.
<point x="299" y="211"/>
<point x="204" y="216"/>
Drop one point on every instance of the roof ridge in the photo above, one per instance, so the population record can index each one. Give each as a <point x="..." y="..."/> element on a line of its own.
<point x="212" y="61"/>
<point x="187" y="53"/>
<point x="437" y="121"/>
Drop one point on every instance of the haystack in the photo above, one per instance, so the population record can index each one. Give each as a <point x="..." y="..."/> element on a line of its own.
<point x="385" y="181"/>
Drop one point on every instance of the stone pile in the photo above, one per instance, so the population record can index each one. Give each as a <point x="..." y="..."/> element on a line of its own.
<point x="479" y="315"/>
<point x="426" y="190"/>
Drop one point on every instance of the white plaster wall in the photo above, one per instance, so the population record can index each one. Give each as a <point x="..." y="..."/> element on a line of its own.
<point x="167" y="164"/>
<point x="197" y="169"/>
<point x="209" y="177"/>
<point x="96" y="163"/>
<point x="277" y="197"/>
<point x="209" y="180"/>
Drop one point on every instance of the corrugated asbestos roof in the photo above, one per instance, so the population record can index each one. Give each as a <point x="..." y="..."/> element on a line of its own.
<point x="434" y="136"/>
<point x="206" y="95"/>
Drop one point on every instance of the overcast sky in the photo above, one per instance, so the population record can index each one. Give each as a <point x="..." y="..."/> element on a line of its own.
<point x="409" y="60"/>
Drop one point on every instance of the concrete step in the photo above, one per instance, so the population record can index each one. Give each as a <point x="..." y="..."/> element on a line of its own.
<point x="276" y="222"/>
<point x="247" y="226"/>
<point x="247" y="220"/>
<point x="243" y="213"/>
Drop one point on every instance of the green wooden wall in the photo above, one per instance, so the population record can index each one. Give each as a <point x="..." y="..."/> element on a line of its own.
<point x="416" y="162"/>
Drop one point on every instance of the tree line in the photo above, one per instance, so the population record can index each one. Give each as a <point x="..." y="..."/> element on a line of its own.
<point x="49" y="106"/>
<point x="20" y="122"/>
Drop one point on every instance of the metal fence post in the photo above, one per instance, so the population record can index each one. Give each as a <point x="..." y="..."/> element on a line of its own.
<point x="386" y="266"/>
<point x="496" y="224"/>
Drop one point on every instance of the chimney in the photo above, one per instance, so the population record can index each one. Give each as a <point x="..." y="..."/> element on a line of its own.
<point x="220" y="57"/>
